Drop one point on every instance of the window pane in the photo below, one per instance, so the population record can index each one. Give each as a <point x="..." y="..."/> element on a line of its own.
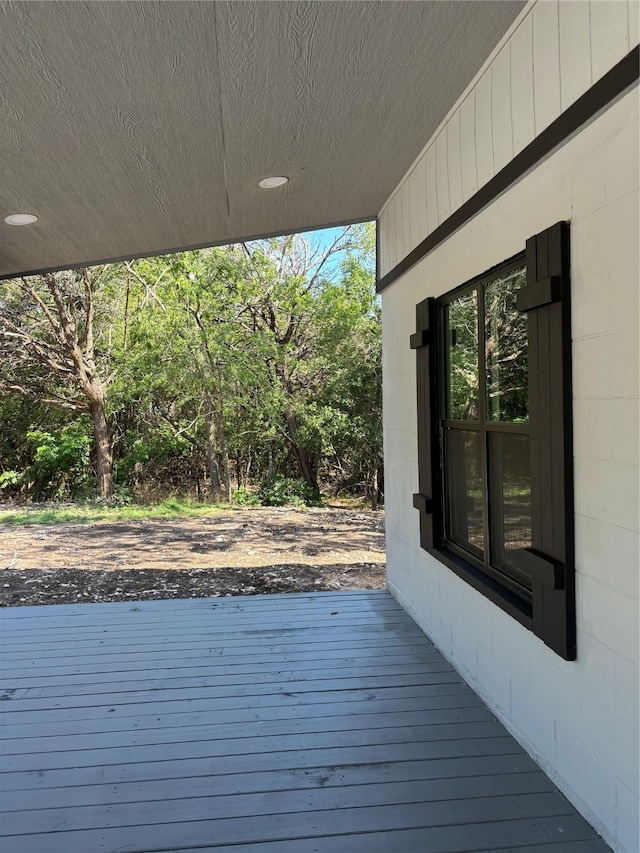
<point x="462" y="381"/>
<point x="510" y="487"/>
<point x="506" y="350"/>
<point x="464" y="499"/>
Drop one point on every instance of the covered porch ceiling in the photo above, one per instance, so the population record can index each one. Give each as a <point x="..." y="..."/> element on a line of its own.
<point x="136" y="128"/>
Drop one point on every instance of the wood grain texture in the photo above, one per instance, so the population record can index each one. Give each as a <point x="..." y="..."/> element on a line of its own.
<point x="138" y="128"/>
<point x="292" y="728"/>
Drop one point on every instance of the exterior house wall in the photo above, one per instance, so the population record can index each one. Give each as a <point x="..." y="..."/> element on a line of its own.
<point x="579" y="719"/>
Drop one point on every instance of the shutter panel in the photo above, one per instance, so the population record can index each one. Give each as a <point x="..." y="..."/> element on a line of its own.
<point x="424" y="342"/>
<point x="550" y="561"/>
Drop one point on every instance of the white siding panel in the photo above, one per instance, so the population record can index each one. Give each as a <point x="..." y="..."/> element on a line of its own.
<point x="431" y="184"/>
<point x="633" y="8"/>
<point x="442" y="173"/>
<point x="405" y="208"/>
<point x="546" y="63"/>
<point x="501" y="109"/>
<point x="575" y="50"/>
<point x="397" y="222"/>
<point x="522" y="109"/>
<point x="468" y="147"/>
<point x="609" y="35"/>
<point x="484" y="131"/>
<point x="455" y="168"/>
<point x="397" y="218"/>
<point x="385" y="240"/>
<point x="418" y="203"/>
<point x="393" y="242"/>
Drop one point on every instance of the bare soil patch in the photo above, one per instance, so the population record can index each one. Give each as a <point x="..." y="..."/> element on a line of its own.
<point x="238" y="552"/>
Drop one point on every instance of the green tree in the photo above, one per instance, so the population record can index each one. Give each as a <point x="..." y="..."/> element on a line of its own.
<point x="48" y="350"/>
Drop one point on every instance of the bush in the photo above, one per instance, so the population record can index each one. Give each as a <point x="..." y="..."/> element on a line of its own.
<point x="61" y="468"/>
<point x="243" y="497"/>
<point x="281" y="491"/>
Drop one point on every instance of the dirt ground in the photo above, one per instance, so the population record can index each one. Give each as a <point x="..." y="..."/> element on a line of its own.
<point x="239" y="552"/>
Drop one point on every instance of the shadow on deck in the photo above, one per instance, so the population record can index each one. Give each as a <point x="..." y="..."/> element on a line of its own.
<point x="268" y="724"/>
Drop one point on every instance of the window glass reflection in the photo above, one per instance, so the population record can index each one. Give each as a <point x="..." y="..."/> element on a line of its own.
<point x="462" y="385"/>
<point x="506" y="350"/>
<point x="465" y="515"/>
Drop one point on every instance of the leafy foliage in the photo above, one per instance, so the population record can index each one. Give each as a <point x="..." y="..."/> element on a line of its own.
<point x="59" y="467"/>
<point x="284" y="490"/>
<point x="219" y="369"/>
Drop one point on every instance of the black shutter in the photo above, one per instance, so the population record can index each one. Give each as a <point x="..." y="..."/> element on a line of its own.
<point x="427" y="500"/>
<point x="550" y="560"/>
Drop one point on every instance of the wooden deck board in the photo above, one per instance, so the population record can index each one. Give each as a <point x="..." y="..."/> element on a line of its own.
<point x="270" y="724"/>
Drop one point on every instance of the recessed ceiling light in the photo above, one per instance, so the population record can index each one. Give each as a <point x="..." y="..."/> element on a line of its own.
<point x="276" y="181"/>
<point x="21" y="219"/>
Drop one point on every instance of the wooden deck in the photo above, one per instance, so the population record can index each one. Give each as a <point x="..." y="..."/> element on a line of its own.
<point x="266" y="724"/>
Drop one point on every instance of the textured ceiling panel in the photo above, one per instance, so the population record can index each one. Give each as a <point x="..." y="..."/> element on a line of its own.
<point x="132" y="128"/>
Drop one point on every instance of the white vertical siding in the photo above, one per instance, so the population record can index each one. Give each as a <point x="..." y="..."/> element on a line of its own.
<point x="501" y="109"/>
<point x="575" y="50"/>
<point x="546" y="63"/>
<point x="554" y="53"/>
<point x="431" y="189"/>
<point x="442" y="176"/>
<point x="468" y="146"/>
<point x="633" y="12"/>
<point x="454" y="161"/>
<point x="484" y="130"/>
<point x="609" y="35"/>
<point x="522" y="108"/>
<point x="418" y="203"/>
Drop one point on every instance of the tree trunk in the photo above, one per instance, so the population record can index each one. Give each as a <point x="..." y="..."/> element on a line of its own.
<point x="269" y="462"/>
<point x="224" y="458"/>
<point x="212" y="458"/>
<point x="374" y="489"/>
<point x="104" y="460"/>
<point x="304" y="463"/>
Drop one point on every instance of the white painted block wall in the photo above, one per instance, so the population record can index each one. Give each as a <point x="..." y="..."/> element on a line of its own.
<point x="579" y="719"/>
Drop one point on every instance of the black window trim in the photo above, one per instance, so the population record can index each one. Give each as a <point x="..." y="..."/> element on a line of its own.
<point x="550" y="613"/>
<point x="483" y="425"/>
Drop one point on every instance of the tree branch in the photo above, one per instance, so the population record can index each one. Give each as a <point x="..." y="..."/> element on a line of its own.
<point x="62" y="402"/>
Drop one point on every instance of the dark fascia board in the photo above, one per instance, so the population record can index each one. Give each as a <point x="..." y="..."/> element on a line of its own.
<point x="614" y="84"/>
<point x="156" y="253"/>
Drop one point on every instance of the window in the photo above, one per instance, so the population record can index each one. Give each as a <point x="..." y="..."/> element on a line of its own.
<point x="494" y="426"/>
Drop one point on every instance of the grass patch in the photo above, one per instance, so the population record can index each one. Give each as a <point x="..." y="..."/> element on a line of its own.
<point x="85" y="513"/>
